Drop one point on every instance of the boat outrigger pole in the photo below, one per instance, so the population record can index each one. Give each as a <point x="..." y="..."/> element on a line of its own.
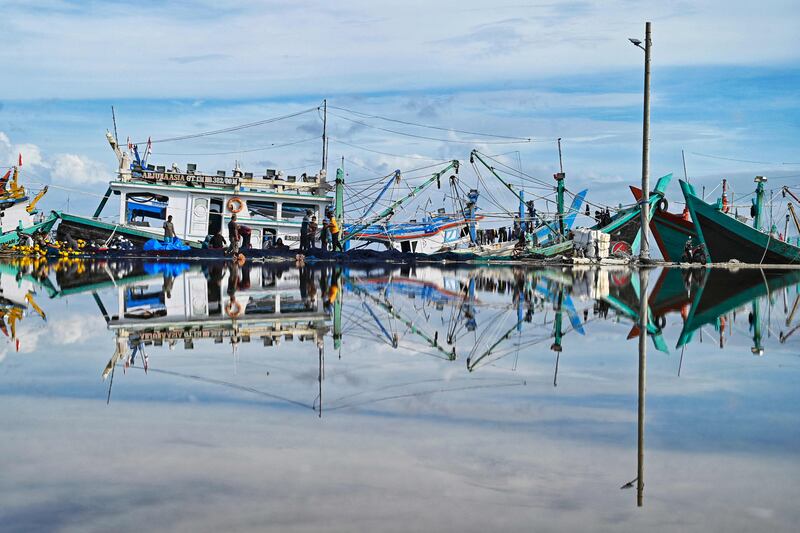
<point x="395" y="179"/>
<point x="390" y="211"/>
<point x="475" y="155"/>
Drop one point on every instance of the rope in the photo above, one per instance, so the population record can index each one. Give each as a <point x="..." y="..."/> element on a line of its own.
<point x="452" y="130"/>
<point x="262" y="148"/>
<point x="229" y="129"/>
<point x="455" y="141"/>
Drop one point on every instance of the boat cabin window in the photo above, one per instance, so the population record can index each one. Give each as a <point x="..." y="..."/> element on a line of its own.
<point x="260" y="208"/>
<point x="143" y="208"/>
<point x="215" y="216"/>
<point x="269" y="238"/>
<point x="297" y="211"/>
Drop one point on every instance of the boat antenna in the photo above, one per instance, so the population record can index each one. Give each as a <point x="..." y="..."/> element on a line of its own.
<point x="685" y="175"/>
<point x="560" y="163"/>
<point x="114" y="120"/>
<point x="325" y="134"/>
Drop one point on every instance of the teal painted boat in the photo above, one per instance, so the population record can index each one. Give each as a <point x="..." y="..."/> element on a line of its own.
<point x="45" y="225"/>
<point x="91" y="228"/>
<point x="624" y="226"/>
<point x="670" y="230"/>
<point x="727" y="238"/>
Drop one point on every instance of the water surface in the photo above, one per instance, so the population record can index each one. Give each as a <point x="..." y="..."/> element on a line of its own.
<point x="211" y="397"/>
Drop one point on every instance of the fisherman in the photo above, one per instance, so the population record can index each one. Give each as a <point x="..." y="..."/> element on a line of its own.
<point x="169" y="230"/>
<point x="304" y="232"/>
<point x="312" y="232"/>
<point x="279" y="245"/>
<point x="334" y="227"/>
<point x="325" y="234"/>
<point x="233" y="235"/>
<point x="245" y="232"/>
<point x="217" y="241"/>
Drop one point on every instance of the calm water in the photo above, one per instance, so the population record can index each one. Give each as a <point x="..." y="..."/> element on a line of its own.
<point x="141" y="397"/>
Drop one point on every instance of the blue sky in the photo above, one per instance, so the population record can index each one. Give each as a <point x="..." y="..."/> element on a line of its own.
<point x="724" y="83"/>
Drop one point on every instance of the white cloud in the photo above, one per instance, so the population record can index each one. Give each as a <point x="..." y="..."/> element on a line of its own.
<point x="78" y="169"/>
<point x="59" y="168"/>
<point x="9" y="153"/>
<point x="264" y="49"/>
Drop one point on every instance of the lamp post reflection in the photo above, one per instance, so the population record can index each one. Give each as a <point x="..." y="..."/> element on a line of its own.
<point x="643" y="314"/>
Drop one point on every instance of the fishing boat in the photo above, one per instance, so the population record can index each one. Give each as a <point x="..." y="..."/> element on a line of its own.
<point x="437" y="232"/>
<point x="671" y="231"/>
<point x="623" y="228"/>
<point x="272" y="205"/>
<point x="18" y="213"/>
<point x="539" y="232"/>
<point x="727" y="237"/>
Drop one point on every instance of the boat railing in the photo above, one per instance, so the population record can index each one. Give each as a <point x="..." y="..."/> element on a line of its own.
<point x="271" y="181"/>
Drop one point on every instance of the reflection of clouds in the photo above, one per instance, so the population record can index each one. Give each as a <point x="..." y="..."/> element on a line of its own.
<point x="74" y="329"/>
<point x="205" y="441"/>
<point x="209" y="468"/>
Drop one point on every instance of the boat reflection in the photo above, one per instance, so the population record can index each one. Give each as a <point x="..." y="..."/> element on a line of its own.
<point x="478" y="315"/>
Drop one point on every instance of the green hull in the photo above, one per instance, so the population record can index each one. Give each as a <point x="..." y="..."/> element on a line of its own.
<point x="89" y="228"/>
<point x="671" y="237"/>
<point x="46" y="225"/>
<point x="670" y="230"/>
<point x="727" y="238"/>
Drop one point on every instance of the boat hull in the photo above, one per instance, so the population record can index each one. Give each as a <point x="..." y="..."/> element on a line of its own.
<point x="670" y="231"/>
<point x="727" y="238"/>
<point x="46" y="225"/>
<point x="89" y="229"/>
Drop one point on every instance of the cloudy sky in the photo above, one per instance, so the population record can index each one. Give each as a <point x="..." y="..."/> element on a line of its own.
<point x="724" y="84"/>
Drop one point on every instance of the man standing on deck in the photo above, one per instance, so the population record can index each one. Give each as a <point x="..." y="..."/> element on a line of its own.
<point x="304" y="233"/>
<point x="169" y="230"/>
<point x="334" y="225"/>
<point x="312" y="232"/>
<point x="233" y="235"/>
<point x="325" y="233"/>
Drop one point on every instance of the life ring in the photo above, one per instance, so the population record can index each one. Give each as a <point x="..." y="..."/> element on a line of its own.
<point x="235" y="204"/>
<point x="233" y="309"/>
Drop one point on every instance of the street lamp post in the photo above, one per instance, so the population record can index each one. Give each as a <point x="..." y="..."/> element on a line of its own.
<point x="644" y="249"/>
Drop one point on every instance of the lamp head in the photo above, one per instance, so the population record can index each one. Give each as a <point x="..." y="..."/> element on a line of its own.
<point x="635" y="42"/>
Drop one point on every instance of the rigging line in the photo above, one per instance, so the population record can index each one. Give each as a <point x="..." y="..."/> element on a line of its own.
<point x="518" y="173"/>
<point x="415" y="136"/>
<point x="337" y="140"/>
<point x="356" y="163"/>
<point x="229" y="129"/>
<point x="742" y="160"/>
<point x="407" y="123"/>
<point x="487" y="190"/>
<point x="271" y="146"/>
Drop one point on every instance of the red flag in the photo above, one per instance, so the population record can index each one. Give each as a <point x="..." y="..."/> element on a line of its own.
<point x="130" y="144"/>
<point x="20" y="159"/>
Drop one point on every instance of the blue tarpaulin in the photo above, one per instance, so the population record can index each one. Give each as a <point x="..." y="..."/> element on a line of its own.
<point x="168" y="244"/>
